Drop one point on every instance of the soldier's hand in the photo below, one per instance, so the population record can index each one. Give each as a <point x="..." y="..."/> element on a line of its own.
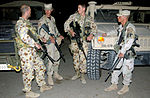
<point x="104" y="35"/>
<point x="44" y="40"/>
<point x="121" y="55"/>
<point x="72" y="33"/>
<point x="38" y="46"/>
<point x="61" y="37"/>
<point x="90" y="37"/>
<point x="52" y="39"/>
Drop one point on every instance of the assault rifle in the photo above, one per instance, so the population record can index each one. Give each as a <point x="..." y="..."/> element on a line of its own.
<point x="117" y="48"/>
<point x="77" y="37"/>
<point x="45" y="27"/>
<point x="125" y="55"/>
<point x="115" y="63"/>
<point x="44" y="49"/>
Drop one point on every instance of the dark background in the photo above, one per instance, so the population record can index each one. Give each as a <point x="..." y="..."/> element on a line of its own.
<point x="64" y="8"/>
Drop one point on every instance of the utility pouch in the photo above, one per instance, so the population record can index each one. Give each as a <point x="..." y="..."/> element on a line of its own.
<point x="130" y="54"/>
<point x="117" y="48"/>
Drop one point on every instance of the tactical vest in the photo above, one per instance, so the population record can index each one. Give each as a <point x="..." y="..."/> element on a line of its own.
<point x="86" y="27"/>
<point x="121" y="39"/>
<point x="20" y="43"/>
<point x="131" y="53"/>
<point x="18" y="40"/>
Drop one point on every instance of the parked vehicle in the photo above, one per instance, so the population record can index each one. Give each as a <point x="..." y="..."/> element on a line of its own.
<point x="9" y="59"/>
<point x="101" y="52"/>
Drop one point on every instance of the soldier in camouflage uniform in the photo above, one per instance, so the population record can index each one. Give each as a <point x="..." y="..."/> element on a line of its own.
<point x="79" y="60"/>
<point x="127" y="56"/>
<point x="50" y="41"/>
<point x="30" y="61"/>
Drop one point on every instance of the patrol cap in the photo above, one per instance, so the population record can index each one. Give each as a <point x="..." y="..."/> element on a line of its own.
<point x="124" y="13"/>
<point x="48" y="7"/>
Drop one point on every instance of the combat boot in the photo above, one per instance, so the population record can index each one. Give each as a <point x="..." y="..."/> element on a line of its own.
<point x="83" y="79"/>
<point x="45" y="88"/>
<point x="57" y="76"/>
<point x="111" y="87"/>
<point x="76" y="76"/>
<point x="31" y="94"/>
<point x="50" y="80"/>
<point x="124" y="89"/>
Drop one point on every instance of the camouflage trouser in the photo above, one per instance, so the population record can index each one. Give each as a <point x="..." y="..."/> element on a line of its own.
<point x="126" y="70"/>
<point x="79" y="60"/>
<point x="31" y="62"/>
<point x="52" y="52"/>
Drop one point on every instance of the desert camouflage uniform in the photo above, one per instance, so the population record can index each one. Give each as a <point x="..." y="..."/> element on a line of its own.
<point x="126" y="63"/>
<point x="79" y="60"/>
<point x="30" y="61"/>
<point x="51" y="49"/>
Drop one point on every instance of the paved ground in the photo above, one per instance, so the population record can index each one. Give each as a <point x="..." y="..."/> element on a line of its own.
<point x="11" y="84"/>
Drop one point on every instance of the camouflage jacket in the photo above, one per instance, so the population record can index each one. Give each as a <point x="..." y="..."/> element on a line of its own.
<point x="84" y="21"/>
<point x="50" y="22"/>
<point x="23" y="39"/>
<point x="129" y="36"/>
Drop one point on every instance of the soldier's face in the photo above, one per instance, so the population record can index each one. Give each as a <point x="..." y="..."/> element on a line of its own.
<point x="29" y="13"/>
<point x="81" y="9"/>
<point x="48" y="12"/>
<point x="120" y="18"/>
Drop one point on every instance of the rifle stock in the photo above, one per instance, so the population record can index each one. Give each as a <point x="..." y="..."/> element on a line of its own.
<point x="44" y="49"/>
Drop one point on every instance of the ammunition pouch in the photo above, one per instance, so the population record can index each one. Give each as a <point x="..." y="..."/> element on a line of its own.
<point x="86" y="33"/>
<point x="130" y="53"/>
<point x="40" y="53"/>
<point x="20" y="43"/>
<point x="117" y="48"/>
<point x="83" y="38"/>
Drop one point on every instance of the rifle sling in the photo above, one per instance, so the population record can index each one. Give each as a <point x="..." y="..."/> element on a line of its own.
<point x="122" y="33"/>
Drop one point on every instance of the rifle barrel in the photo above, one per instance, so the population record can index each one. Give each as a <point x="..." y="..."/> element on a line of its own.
<point x="113" y="68"/>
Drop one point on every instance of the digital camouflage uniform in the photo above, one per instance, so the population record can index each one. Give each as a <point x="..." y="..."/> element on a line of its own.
<point x="79" y="60"/>
<point x="30" y="61"/>
<point x="51" y="49"/>
<point x="126" y="64"/>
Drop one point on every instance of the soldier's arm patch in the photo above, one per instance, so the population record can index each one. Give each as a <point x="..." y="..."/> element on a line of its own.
<point x="130" y="33"/>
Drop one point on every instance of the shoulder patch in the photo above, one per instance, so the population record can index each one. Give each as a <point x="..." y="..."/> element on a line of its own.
<point x="130" y="32"/>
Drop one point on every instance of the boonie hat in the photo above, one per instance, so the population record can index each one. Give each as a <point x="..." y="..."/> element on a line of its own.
<point x="48" y="7"/>
<point x="124" y="13"/>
